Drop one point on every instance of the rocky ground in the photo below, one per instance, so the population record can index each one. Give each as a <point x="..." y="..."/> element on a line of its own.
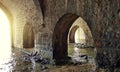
<point x="21" y="65"/>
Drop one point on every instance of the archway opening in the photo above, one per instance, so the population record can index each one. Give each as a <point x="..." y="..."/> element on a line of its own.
<point x="5" y="39"/>
<point x="69" y="28"/>
<point x="83" y="40"/>
<point x="79" y="36"/>
<point x="28" y="37"/>
<point x="71" y="37"/>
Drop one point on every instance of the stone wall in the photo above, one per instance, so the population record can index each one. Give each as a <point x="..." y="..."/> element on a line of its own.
<point x="102" y="17"/>
<point x="43" y="43"/>
<point x="23" y="12"/>
<point x="28" y="13"/>
<point x="108" y="58"/>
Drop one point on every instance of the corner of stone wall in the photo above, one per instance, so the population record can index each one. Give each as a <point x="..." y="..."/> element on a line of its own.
<point x="43" y="43"/>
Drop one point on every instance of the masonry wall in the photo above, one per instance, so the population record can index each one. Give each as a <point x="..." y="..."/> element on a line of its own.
<point x="23" y="12"/>
<point x="102" y="17"/>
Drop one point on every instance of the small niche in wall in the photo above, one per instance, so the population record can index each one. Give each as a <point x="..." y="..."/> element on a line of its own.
<point x="28" y="36"/>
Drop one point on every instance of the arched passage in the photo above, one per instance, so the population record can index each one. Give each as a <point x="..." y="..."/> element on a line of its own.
<point x="83" y="30"/>
<point x="80" y="36"/>
<point x="72" y="34"/>
<point x="10" y="18"/>
<point x="60" y="34"/>
<point x="28" y="36"/>
<point x="6" y="38"/>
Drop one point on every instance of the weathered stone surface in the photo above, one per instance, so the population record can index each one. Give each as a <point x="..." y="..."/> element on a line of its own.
<point x="108" y="58"/>
<point x="102" y="17"/>
<point x="23" y="12"/>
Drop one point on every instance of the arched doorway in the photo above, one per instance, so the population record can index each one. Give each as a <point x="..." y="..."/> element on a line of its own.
<point x="28" y="36"/>
<point x="80" y="36"/>
<point x="5" y="38"/>
<point x="66" y="27"/>
<point x="72" y="34"/>
<point x="9" y="16"/>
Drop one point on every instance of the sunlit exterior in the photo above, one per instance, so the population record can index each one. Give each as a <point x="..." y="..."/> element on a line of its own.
<point x="5" y="42"/>
<point x="79" y="36"/>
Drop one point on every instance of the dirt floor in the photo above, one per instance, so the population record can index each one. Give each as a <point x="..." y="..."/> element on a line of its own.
<point x="18" y="64"/>
<point x="80" y="68"/>
<point x="73" y="68"/>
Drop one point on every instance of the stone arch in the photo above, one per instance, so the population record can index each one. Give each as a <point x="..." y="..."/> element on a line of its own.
<point x="28" y="36"/>
<point x="83" y="25"/>
<point x="10" y="18"/>
<point x="60" y="35"/>
<point x="72" y="34"/>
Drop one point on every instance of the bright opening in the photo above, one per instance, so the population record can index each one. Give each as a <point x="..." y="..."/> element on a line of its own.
<point x="79" y="36"/>
<point x="5" y="41"/>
